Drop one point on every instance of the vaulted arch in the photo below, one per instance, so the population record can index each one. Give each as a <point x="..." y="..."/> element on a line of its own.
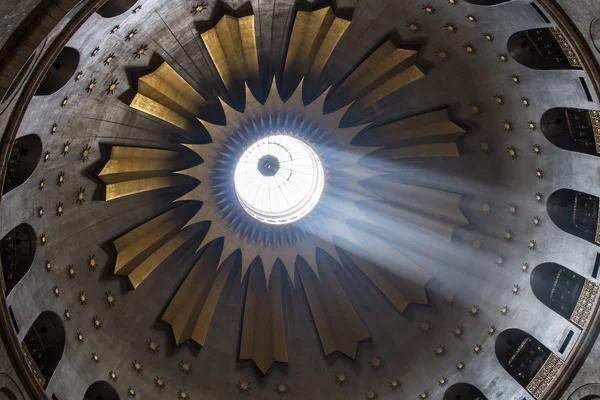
<point x="572" y="129"/>
<point x="101" y="390"/>
<point x="575" y="213"/>
<point x="17" y="250"/>
<point x="43" y="345"/>
<point x="24" y="158"/>
<point x="564" y="291"/>
<point x="61" y="71"/>
<point x="543" y="48"/>
<point x="463" y="391"/>
<point x="527" y="360"/>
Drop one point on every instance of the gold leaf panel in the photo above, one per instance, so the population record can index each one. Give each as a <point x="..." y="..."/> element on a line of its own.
<point x="339" y="326"/>
<point x="314" y="36"/>
<point x="263" y="330"/>
<point x="191" y="311"/>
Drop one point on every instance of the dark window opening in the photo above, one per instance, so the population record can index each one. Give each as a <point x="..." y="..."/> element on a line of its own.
<point x="112" y="8"/>
<point x="60" y="72"/>
<point x="520" y="354"/>
<point x="557" y="287"/>
<point x="45" y="342"/>
<point x="101" y="390"/>
<point x="538" y="49"/>
<point x="17" y="250"/>
<point x="575" y="213"/>
<point x="23" y="159"/>
<point x="565" y="344"/>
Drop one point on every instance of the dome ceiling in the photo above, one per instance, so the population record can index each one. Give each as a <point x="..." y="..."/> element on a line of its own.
<point x="411" y="275"/>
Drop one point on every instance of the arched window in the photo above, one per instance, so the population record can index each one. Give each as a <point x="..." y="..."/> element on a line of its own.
<point x="17" y="250"/>
<point x="527" y="360"/>
<point x="542" y="48"/>
<point x="24" y="158"/>
<point x="487" y="2"/>
<point x="571" y="129"/>
<point x="463" y="391"/>
<point x="575" y="212"/>
<point x="563" y="291"/>
<point x="112" y="8"/>
<point x="44" y="344"/>
<point x="61" y="71"/>
<point x="101" y="390"/>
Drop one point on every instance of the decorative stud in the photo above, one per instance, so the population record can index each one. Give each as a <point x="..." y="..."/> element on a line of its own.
<point x="484" y="145"/>
<point x="67" y="315"/>
<point x="109" y="59"/>
<point x="54" y="128"/>
<point x="488" y="37"/>
<point x="95" y="51"/>
<point x="394" y="384"/>
<point x="59" y="209"/>
<point x="71" y="271"/>
<point x="477" y="244"/>
<point x="91" y="259"/>
<point x="453" y="2"/>
<point x="515" y="289"/>
<point x="525" y="101"/>
<point x="450" y="28"/>
<point x="504" y="310"/>
<point x="537" y="149"/>
<point x="515" y="79"/>
<point x="40" y="212"/>
<point x="78" y="76"/>
<point x="425" y="327"/>
<point x="85" y="153"/>
<point x="531" y="125"/>
<point x="96" y="357"/>
<point x="491" y="330"/>
<point x="198" y="8"/>
<point x="475" y="108"/>
<point x="460" y="365"/>
<point x="498" y="99"/>
<point x="471" y="18"/>
<point x="428" y="9"/>
<point x="438" y="351"/>
<point x="500" y="260"/>
<point x="531" y="245"/>
<point x="64" y="102"/>
<point x="137" y="9"/>
<point x="282" y="388"/>
<point x="539" y="173"/>
<point x="137" y="366"/>
<point x="130" y="35"/>
<point x="538" y="197"/>
<point x="80" y="196"/>
<point x="469" y="48"/>
<point x="536" y="221"/>
<point x="502" y="57"/>
<point x="424" y="395"/>
<point x="109" y="299"/>
<point x="140" y="51"/>
<point x="474" y="310"/>
<point x="245" y="387"/>
<point x="46" y="156"/>
<point x="60" y="179"/>
<point x="508" y="235"/>
<point x="131" y="391"/>
<point x="458" y="331"/>
<point x="114" y="29"/>
<point x="113" y="375"/>
<point x="507" y="125"/>
<point x="159" y="382"/>
<point x="112" y="86"/>
<point x="371" y="394"/>
<point x="91" y="86"/>
<point x="512" y="209"/>
<point x="82" y="298"/>
<point x="449" y="300"/>
<point x="486" y="208"/>
<point x="97" y="322"/>
<point x="48" y="266"/>
<point x="43" y="239"/>
<point x="376" y="363"/>
<point x="152" y="346"/>
<point x="524" y="267"/>
<point x="56" y="291"/>
<point x="477" y="349"/>
<point x="186" y="368"/>
<point x="42" y="184"/>
<point x="442" y="381"/>
<point x="80" y="337"/>
<point x="413" y="26"/>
